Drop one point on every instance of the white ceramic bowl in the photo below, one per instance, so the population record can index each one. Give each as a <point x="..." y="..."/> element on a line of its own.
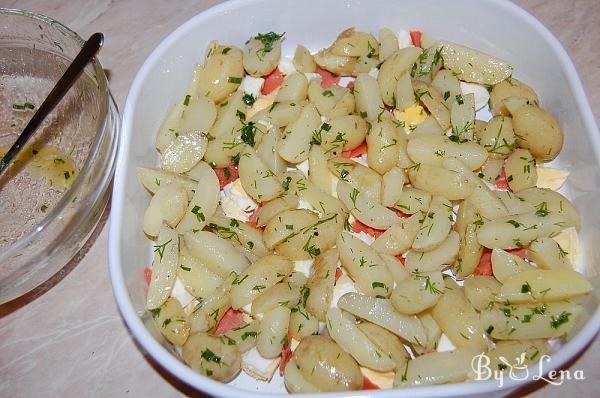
<point x="497" y="27"/>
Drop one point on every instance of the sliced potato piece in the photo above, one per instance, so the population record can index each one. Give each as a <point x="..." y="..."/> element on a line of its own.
<point x="543" y="285"/>
<point x="382" y="313"/>
<point x="521" y="172"/>
<point x="433" y="149"/>
<point x="257" y="277"/>
<point x="437" y="368"/>
<point x="218" y="254"/>
<point x="364" y="265"/>
<point x="510" y="87"/>
<point x="167" y="205"/>
<point x="434" y="260"/>
<point x="204" y="202"/>
<point x="365" y="209"/>
<point x="546" y="253"/>
<point x="320" y="282"/>
<point x="400" y="237"/>
<point x="418" y="293"/>
<point x="480" y="290"/>
<point x="505" y="264"/>
<point x="458" y="319"/>
<point x="547" y="320"/>
<point x="336" y="64"/>
<point x="273" y="331"/>
<point x="352" y="340"/>
<point x="171" y="320"/>
<point x="325" y="365"/>
<point x="152" y="179"/>
<point x="392" y="68"/>
<point x="303" y="60"/>
<point x="538" y="131"/>
<point x="474" y="66"/>
<point x="258" y="180"/>
<point x="436" y="225"/>
<point x="439" y="180"/>
<point x="210" y="356"/>
<point x="434" y="102"/>
<point x="184" y="152"/>
<point x="164" y="267"/>
<point x="295" y="141"/>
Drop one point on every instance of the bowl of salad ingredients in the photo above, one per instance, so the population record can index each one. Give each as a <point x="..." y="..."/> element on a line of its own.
<point x="383" y="196"/>
<point x="54" y="192"/>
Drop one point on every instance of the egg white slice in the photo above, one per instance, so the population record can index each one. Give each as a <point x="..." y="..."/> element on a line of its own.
<point x="482" y="96"/>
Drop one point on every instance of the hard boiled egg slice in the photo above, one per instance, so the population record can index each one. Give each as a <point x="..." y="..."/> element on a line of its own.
<point x="482" y="96"/>
<point x="550" y="178"/>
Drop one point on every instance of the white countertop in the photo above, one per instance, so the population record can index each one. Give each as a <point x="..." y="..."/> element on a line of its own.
<point x="67" y="338"/>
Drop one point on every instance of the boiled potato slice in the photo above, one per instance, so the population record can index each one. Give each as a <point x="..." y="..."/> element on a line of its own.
<point x="302" y="323"/>
<point x="510" y="87"/>
<point x="413" y="200"/>
<point x="218" y="254"/>
<point x="543" y="285"/>
<point x="244" y="336"/>
<point x="293" y="88"/>
<point x="519" y="230"/>
<point x="483" y="198"/>
<point x="396" y="268"/>
<point x="258" y="180"/>
<point x="448" y="85"/>
<point x="480" y="290"/>
<point x="320" y="282"/>
<point x="295" y="141"/>
<point x="273" y="332"/>
<point x="388" y="43"/>
<point x="436" y="225"/>
<point x="262" y="53"/>
<point x="469" y="252"/>
<point x="287" y="223"/>
<point x="505" y="265"/>
<point x="392" y="68"/>
<point x="204" y="202"/>
<point x="538" y="131"/>
<point x="382" y="313"/>
<point x="514" y="204"/>
<point x="364" y="265"/>
<point x="295" y="382"/>
<point x="164" y="267"/>
<point x="400" y="237"/>
<point x="222" y="72"/>
<point x="437" y="368"/>
<point x="211" y="357"/>
<point x="546" y="253"/>
<point x="434" y="102"/>
<point x="521" y="172"/>
<point x="184" y="152"/>
<point x="364" y="208"/>
<point x="170" y="319"/>
<point x="167" y="205"/>
<point x="392" y="183"/>
<point x="474" y="66"/>
<point x="458" y="319"/>
<point x="310" y="241"/>
<point x="382" y="146"/>
<point x="462" y="117"/>
<point x="544" y="199"/>
<point x="336" y="64"/>
<point x="169" y="126"/>
<point x="433" y="149"/>
<point x="389" y="344"/>
<point x="303" y="60"/>
<point x="257" y="277"/>
<point x="434" y="260"/>
<point x="542" y="321"/>
<point x="152" y="179"/>
<point x="498" y="137"/>
<point x="196" y="277"/>
<point x="368" y="97"/>
<point x="417" y="293"/>
<point x="354" y="44"/>
<point x="273" y="207"/>
<point x="199" y="114"/>
<point x="352" y="340"/>
<point x="517" y="353"/>
<point x="325" y="365"/>
<point x="282" y="294"/>
<point x="439" y="180"/>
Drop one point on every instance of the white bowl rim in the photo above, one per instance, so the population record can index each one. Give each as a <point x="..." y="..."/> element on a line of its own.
<point x="205" y="384"/>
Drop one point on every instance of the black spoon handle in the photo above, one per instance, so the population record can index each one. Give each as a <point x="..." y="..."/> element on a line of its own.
<point x="88" y="51"/>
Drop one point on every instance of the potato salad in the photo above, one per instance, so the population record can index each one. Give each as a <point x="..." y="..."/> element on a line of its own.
<point x="368" y="215"/>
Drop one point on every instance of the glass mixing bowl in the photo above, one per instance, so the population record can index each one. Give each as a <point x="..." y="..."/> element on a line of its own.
<point x="53" y="195"/>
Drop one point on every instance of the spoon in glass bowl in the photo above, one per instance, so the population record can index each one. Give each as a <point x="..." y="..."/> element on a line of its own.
<point x="66" y="81"/>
